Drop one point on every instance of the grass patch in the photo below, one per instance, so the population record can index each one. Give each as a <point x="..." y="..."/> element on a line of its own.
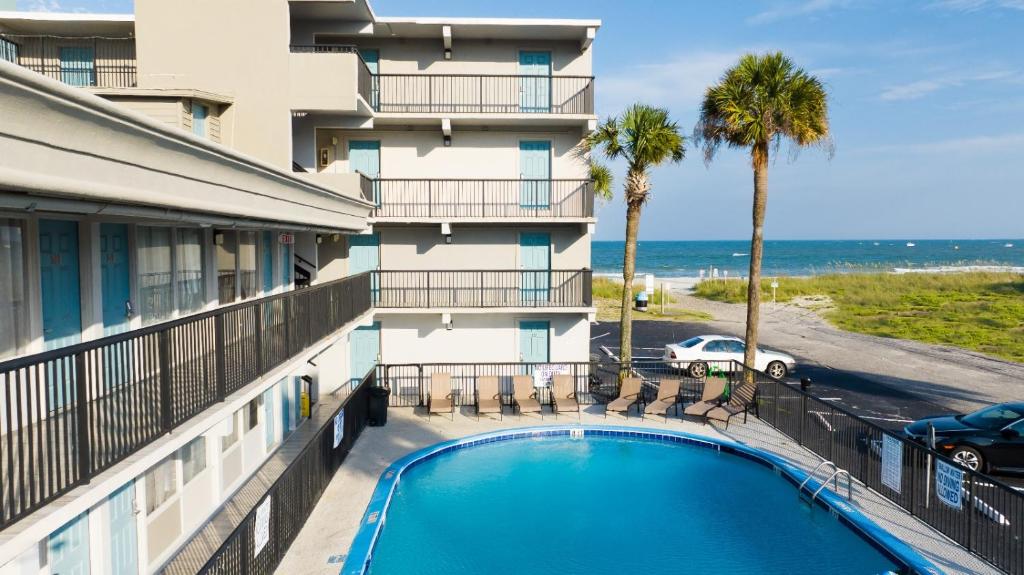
<point x="979" y="311"/>
<point x="608" y="299"/>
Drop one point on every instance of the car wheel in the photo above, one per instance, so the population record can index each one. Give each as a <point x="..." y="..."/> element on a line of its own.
<point x="968" y="457"/>
<point x="698" y="370"/>
<point x="777" y="369"/>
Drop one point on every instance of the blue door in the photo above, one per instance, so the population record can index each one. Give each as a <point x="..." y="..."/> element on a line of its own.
<point x="77" y="66"/>
<point x="68" y="547"/>
<point x="535" y="92"/>
<point x="288" y="401"/>
<point x="364" y="348"/>
<point x="364" y="256"/>
<point x="535" y="173"/>
<point x="372" y="59"/>
<point x="268" y="417"/>
<point x="58" y="275"/>
<point x="364" y="156"/>
<point x="533" y="341"/>
<point x="286" y="266"/>
<point x="268" y="262"/>
<point x="124" y="547"/>
<point x="115" y="278"/>
<point x="535" y="263"/>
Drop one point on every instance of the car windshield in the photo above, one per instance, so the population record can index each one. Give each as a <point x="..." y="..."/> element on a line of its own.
<point x="995" y="417"/>
<point x="691" y="342"/>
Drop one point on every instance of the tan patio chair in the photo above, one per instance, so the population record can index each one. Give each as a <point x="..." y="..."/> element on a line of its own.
<point x="439" y="399"/>
<point x="668" y="397"/>
<point x="524" y="395"/>
<point x="714" y="387"/>
<point x="488" y="396"/>
<point x="563" y="394"/>
<point x="741" y="400"/>
<point x="629" y="395"/>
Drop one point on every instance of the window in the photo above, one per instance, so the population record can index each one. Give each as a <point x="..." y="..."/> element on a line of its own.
<point x="8" y="51"/>
<point x="77" y="66"/>
<point x="199" y="114"/>
<point x="691" y="342"/>
<point x="193" y="459"/>
<point x="247" y="284"/>
<point x="156" y="297"/>
<point x="231" y="438"/>
<point x="227" y="252"/>
<point x="734" y="346"/>
<point x="252" y="417"/>
<point x="715" y="346"/>
<point x="189" y="275"/>
<point x="14" y="336"/>
<point x="161" y="483"/>
<point x="994" y="417"/>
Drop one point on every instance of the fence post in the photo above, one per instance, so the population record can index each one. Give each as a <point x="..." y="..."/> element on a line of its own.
<point x="164" y="361"/>
<point x="481" y="289"/>
<point x="803" y="416"/>
<point x="420" y="368"/>
<point x="258" y="337"/>
<point x="82" y="415"/>
<point x="969" y="511"/>
<point x="219" y="346"/>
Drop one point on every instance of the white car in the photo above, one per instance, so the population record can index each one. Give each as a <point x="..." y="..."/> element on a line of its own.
<point x="696" y="354"/>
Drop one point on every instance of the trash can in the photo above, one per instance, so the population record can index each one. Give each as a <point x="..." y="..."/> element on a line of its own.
<point x="641" y="301"/>
<point x="379" y="406"/>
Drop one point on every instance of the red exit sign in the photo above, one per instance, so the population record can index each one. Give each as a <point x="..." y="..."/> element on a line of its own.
<point x="287" y="239"/>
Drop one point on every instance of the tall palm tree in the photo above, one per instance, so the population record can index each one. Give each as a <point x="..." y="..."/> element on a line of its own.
<point x="644" y="137"/>
<point x="758" y="103"/>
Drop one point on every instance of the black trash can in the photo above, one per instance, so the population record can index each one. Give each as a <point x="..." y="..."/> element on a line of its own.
<point x="379" y="406"/>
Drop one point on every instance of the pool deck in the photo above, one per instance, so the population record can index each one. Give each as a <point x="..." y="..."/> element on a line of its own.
<point x="324" y="541"/>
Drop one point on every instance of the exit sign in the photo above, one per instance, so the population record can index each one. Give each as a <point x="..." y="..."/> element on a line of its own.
<point x="287" y="239"/>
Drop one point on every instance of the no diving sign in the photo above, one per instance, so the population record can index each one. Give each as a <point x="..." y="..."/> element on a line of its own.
<point x="949" y="480"/>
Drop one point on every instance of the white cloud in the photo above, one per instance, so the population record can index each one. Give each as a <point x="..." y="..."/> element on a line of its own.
<point x="975" y="5"/>
<point x="795" y="9"/>
<point x="921" y="88"/>
<point x="40" y="5"/>
<point x="677" y="84"/>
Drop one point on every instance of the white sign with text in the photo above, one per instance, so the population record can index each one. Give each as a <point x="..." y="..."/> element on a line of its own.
<point x="339" y="427"/>
<point x="892" y="462"/>
<point x="261" y="533"/>
<point x="542" y="373"/>
<point x="949" y="481"/>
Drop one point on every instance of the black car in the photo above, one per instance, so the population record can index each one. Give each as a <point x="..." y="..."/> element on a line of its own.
<point x="989" y="440"/>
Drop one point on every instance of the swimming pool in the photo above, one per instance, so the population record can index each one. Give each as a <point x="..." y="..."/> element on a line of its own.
<point x="612" y="500"/>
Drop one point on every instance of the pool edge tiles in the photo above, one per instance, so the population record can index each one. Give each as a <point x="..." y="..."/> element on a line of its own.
<point x="365" y="541"/>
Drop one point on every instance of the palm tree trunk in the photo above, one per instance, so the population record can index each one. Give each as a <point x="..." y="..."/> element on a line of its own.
<point x="628" y="270"/>
<point x="760" y="161"/>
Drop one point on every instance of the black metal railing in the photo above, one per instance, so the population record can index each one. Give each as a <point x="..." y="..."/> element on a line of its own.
<point x="77" y="61"/>
<point x="365" y="80"/>
<point x="368" y="188"/>
<point x="294" y="494"/>
<point x="482" y="288"/>
<point x="483" y="94"/>
<point x="70" y="413"/>
<point x="528" y="199"/>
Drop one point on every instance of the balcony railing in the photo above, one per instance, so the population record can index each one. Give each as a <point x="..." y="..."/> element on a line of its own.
<point x="364" y="79"/>
<point x="76" y="61"/>
<point x="482" y="94"/>
<point x="70" y="413"/>
<point x="482" y="288"/>
<point x="524" y="199"/>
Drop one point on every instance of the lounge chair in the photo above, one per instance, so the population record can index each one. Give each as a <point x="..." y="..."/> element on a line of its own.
<point x="710" y="398"/>
<point x="629" y="395"/>
<point x="488" y="396"/>
<point x="524" y="395"/>
<point x="563" y="394"/>
<point x="740" y="401"/>
<point x="668" y="396"/>
<point x="439" y="399"/>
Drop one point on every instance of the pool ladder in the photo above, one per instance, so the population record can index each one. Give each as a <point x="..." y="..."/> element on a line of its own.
<point x="833" y="478"/>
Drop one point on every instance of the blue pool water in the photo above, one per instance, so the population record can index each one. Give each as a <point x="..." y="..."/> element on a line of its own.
<point x="605" y="505"/>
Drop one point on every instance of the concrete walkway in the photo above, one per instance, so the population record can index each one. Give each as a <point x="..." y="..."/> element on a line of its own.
<point x="324" y="540"/>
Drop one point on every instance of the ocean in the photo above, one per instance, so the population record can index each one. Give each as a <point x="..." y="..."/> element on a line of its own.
<point x="802" y="258"/>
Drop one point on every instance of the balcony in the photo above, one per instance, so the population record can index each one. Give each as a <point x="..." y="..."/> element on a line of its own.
<point x="328" y="77"/>
<point x="86" y="62"/>
<point x="68" y="414"/>
<point x="482" y="289"/>
<point x="349" y="184"/>
<point x="531" y="200"/>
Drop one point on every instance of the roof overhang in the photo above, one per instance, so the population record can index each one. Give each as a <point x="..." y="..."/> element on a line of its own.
<point x="62" y="142"/>
<point x="161" y="93"/>
<point x="67" y="24"/>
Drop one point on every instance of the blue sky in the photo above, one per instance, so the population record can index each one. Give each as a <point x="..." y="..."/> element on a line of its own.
<point x="927" y="109"/>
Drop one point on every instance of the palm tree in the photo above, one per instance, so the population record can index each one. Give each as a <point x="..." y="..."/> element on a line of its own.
<point x="644" y="137"/>
<point x="758" y="103"/>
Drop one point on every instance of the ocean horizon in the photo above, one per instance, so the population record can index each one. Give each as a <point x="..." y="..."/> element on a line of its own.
<point x="811" y="257"/>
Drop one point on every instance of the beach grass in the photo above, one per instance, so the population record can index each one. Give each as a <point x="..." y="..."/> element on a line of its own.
<point x="608" y="300"/>
<point x="980" y="311"/>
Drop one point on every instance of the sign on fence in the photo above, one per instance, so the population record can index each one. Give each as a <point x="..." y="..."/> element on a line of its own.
<point x="949" y="480"/>
<point x="892" y="462"/>
<point x="339" y="427"/>
<point x="542" y="373"/>
<point x="261" y="531"/>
